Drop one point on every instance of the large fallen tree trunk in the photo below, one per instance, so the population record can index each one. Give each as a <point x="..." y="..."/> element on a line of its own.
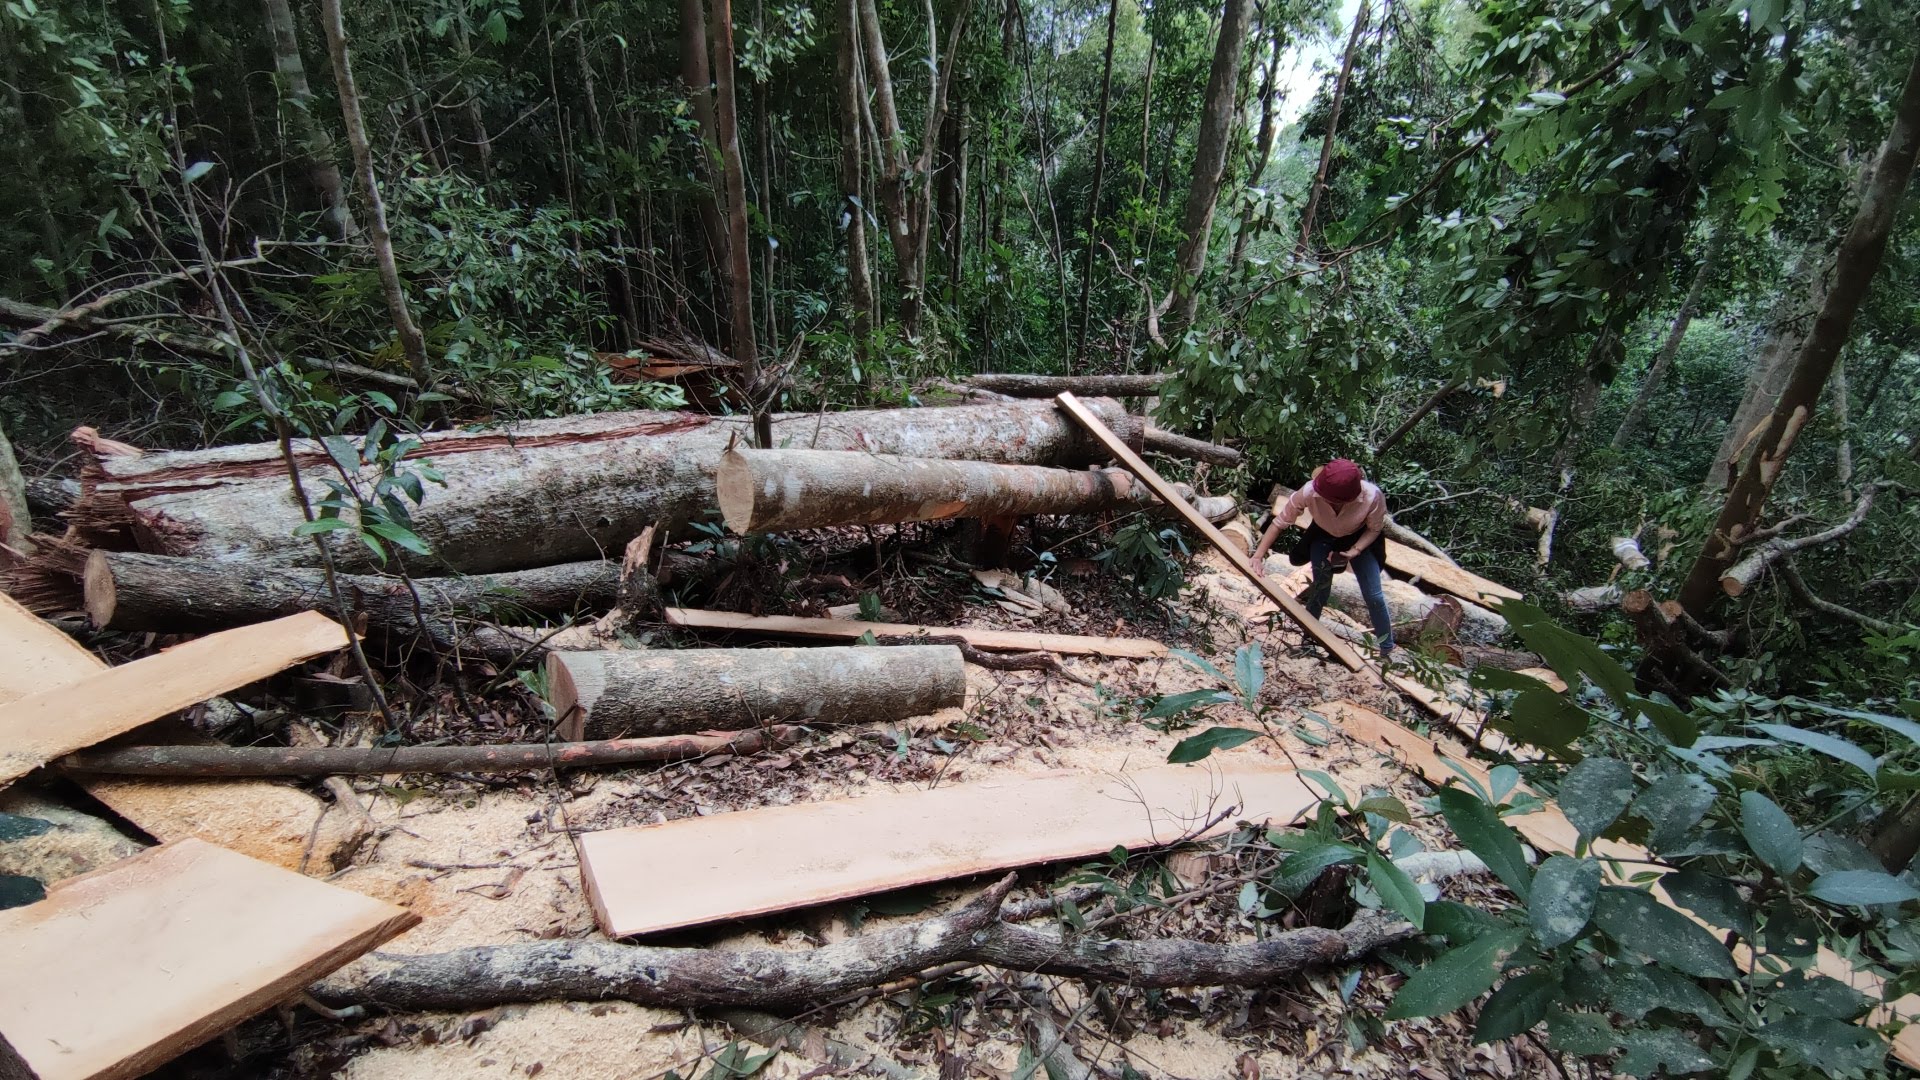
<point x="1166" y="442"/>
<point x="1038" y="386"/>
<point x="547" y="492"/>
<point x="611" y="694"/>
<point x="221" y="761"/>
<point x="763" y="491"/>
<point x="772" y="979"/>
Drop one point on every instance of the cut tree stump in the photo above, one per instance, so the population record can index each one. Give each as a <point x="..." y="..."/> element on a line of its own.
<point x="1123" y="648"/>
<point x="752" y="862"/>
<point x="1339" y="649"/>
<point x="1045" y="386"/>
<point x="764" y="491"/>
<point x="119" y="971"/>
<point x="34" y="730"/>
<point x="610" y="694"/>
<point x="536" y="494"/>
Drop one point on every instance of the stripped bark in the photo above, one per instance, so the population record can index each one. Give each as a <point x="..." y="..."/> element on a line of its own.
<point x="1741" y="575"/>
<point x="620" y="693"/>
<point x="763" y="491"/>
<point x="772" y="979"/>
<point x="228" y="761"/>
<point x="1034" y="386"/>
<point x="541" y="493"/>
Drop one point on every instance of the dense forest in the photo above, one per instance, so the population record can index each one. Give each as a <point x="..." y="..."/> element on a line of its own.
<point x="1615" y="299"/>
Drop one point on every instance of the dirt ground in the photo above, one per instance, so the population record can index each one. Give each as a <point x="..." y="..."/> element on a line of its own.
<point x="495" y="865"/>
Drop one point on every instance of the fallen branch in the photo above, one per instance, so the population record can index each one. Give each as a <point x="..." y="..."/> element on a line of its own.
<point x="1166" y="442"/>
<point x="216" y="761"/>
<point x="1033" y="386"/>
<point x="1741" y="575"/>
<point x="1790" y="574"/>
<point x="773" y="979"/>
<point x="1025" y="661"/>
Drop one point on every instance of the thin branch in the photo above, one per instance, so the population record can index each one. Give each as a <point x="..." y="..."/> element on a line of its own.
<point x="1790" y="574"/>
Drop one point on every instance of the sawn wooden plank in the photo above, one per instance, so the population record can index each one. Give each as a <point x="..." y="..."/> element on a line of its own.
<point x="1340" y="650"/>
<point x="38" y="728"/>
<point x="851" y="629"/>
<point x="119" y="971"/>
<point x="699" y="870"/>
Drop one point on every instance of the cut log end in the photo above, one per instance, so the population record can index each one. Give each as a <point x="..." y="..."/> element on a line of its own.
<point x="574" y="681"/>
<point x="97" y="587"/>
<point x="733" y="490"/>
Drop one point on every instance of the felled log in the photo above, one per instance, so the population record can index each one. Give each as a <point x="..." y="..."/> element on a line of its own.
<point x="1045" y="386"/>
<point x="1478" y="626"/>
<point x="763" y="491"/>
<point x="220" y="761"/>
<point x="541" y="493"/>
<point x="1166" y="442"/>
<point x="607" y="694"/>
<point x="773" y="979"/>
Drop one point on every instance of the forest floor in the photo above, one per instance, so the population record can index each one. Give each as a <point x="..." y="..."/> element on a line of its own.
<point x="492" y="863"/>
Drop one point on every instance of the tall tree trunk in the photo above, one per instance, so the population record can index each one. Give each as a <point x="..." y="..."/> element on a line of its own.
<point x="697" y="77"/>
<point x="956" y="145"/>
<point x="763" y="190"/>
<point x="417" y="106"/>
<point x="476" y="119"/>
<point x="411" y="343"/>
<point x="1854" y="266"/>
<point x="1657" y="374"/>
<point x="1099" y="174"/>
<point x="1333" y="129"/>
<point x="859" y="284"/>
<point x="623" y="274"/>
<point x="296" y="96"/>
<point x="1843" y="454"/>
<point x="1209" y="160"/>
<point x="1263" y="143"/>
<point x="892" y="154"/>
<point x="739" y="267"/>
<point x="1146" y="121"/>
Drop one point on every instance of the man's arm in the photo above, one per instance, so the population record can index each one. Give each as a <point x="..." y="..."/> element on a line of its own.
<point x="1376" y="524"/>
<point x="1284" y="516"/>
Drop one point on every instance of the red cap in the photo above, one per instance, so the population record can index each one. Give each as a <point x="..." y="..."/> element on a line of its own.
<point x="1339" y="480"/>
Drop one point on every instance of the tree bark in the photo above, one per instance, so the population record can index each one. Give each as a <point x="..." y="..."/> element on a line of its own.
<point x="411" y="343"/>
<point x="611" y="694"/>
<point x="1034" y="386"/>
<point x="772" y="979"/>
<point x="1854" y="267"/>
<point x="746" y="349"/>
<point x="541" y="493"/>
<point x="1843" y="453"/>
<point x="16" y="519"/>
<point x="228" y="761"/>
<point x="698" y="80"/>
<point x="766" y="491"/>
<point x="859" y="279"/>
<point x="297" y="110"/>
<point x="1756" y="560"/>
<point x="1099" y="175"/>
<point x="1263" y="143"/>
<point x="1166" y="442"/>
<point x="1769" y="374"/>
<point x="1657" y="374"/>
<point x="1210" y="159"/>
<point x="1319" y="184"/>
<point x="131" y="591"/>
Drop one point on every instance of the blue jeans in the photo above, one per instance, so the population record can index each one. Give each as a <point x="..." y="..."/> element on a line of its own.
<point x="1366" y="569"/>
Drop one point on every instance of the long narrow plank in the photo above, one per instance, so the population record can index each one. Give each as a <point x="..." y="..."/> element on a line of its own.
<point x="751" y="862"/>
<point x="852" y="629"/>
<point x="119" y="971"/>
<point x="1442" y="575"/>
<point x="1340" y="650"/>
<point x="38" y="656"/>
<point x="36" y="729"/>
<point x="1549" y="830"/>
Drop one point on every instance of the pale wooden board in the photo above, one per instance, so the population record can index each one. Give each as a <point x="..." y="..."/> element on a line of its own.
<point x="851" y="629"/>
<point x="1439" y="573"/>
<point x="267" y="820"/>
<point x="1549" y="830"/>
<point x="119" y="971"/>
<point x="751" y="862"/>
<point x="1339" y="649"/>
<point x="36" y="729"/>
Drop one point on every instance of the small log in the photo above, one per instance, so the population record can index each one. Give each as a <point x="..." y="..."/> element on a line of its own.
<point x="772" y="979"/>
<point x="1166" y="442"/>
<point x="1627" y="550"/>
<point x="762" y="491"/>
<point x="619" y="693"/>
<point x="1038" y="386"/>
<point x="1127" y="648"/>
<point x="223" y="761"/>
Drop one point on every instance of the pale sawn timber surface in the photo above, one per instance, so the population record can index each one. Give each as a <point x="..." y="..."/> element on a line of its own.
<point x="620" y="693"/>
<point x="752" y="862"/>
<point x="1122" y="648"/>
<point x="119" y="971"/>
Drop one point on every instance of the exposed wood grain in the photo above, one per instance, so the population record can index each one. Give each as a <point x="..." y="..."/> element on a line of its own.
<point x="38" y="728"/>
<point x="121" y="970"/>
<point x="38" y="656"/>
<point x="1341" y="650"/>
<point x="1549" y="830"/>
<point x="752" y="862"/>
<point x="850" y="630"/>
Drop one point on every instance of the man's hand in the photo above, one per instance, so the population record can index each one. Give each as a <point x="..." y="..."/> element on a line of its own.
<point x="1260" y="565"/>
<point x="1340" y="558"/>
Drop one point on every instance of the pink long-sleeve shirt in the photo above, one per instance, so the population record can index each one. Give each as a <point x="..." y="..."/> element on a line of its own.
<point x="1368" y="512"/>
